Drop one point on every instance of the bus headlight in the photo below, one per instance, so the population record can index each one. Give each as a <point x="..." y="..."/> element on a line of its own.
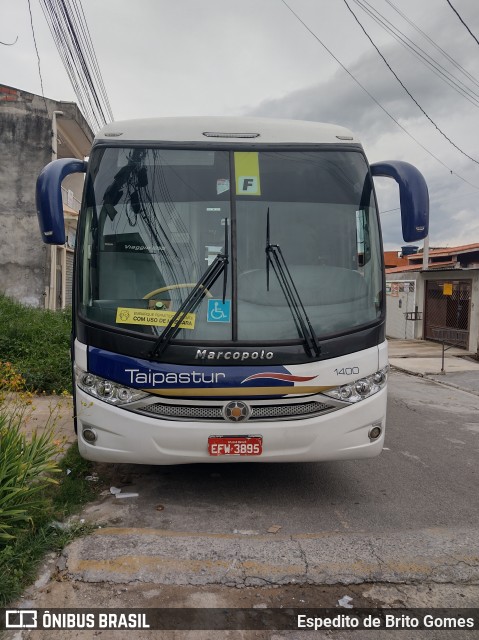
<point x="106" y="390"/>
<point x="360" y="389"/>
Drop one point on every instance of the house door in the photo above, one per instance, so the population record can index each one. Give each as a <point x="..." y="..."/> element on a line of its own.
<point x="448" y="311"/>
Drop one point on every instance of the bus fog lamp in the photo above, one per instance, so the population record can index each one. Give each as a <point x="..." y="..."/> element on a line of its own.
<point x="374" y="433"/>
<point x="89" y="435"/>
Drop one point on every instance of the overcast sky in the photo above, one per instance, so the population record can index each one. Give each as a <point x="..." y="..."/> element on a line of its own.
<point x="224" y="57"/>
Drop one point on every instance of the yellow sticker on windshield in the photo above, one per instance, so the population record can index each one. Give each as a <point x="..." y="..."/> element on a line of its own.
<point x="151" y="317"/>
<point x="247" y="173"/>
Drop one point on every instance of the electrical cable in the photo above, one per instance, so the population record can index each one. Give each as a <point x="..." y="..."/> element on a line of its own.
<point x="406" y="89"/>
<point x="96" y="66"/>
<point x="68" y="26"/>
<point x="9" y="44"/>
<point x="38" y="55"/>
<point x="53" y="19"/>
<point x="457" y="14"/>
<point x="434" y="44"/>
<point x="80" y="26"/>
<point x="428" y="61"/>
<point x="84" y="65"/>
<point x="351" y="75"/>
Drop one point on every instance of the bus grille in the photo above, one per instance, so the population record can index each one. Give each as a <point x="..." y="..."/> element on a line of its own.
<point x="291" y="411"/>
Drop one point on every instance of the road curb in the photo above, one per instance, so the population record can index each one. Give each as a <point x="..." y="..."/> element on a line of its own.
<point x="429" y="376"/>
<point x="183" y="558"/>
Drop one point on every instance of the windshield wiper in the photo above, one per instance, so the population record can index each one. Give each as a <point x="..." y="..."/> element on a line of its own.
<point x="191" y="302"/>
<point x="274" y="256"/>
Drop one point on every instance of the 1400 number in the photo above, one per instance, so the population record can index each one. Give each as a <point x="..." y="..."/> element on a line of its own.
<point x="347" y="371"/>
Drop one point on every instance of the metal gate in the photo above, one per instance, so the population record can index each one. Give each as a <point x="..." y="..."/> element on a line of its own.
<point x="401" y="309"/>
<point x="448" y="311"/>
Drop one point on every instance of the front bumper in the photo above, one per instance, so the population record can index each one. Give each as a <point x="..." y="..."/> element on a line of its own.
<point x="123" y="436"/>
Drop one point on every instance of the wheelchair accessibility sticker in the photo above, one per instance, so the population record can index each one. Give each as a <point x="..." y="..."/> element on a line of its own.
<point x="219" y="311"/>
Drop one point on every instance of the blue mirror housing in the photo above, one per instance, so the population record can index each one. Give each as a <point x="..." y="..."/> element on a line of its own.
<point x="49" y="197"/>
<point x="413" y="196"/>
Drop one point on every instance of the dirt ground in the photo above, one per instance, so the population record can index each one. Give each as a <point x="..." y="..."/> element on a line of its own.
<point x="41" y="412"/>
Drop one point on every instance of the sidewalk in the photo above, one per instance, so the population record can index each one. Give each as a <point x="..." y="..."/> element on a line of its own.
<point x="423" y="358"/>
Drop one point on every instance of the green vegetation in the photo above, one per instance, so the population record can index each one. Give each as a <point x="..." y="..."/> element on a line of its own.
<point x="26" y="469"/>
<point x="39" y="486"/>
<point x="19" y="562"/>
<point x="37" y="343"/>
<point x="38" y="490"/>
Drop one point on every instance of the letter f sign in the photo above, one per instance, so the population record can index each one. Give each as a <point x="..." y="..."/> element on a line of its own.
<point x="248" y="185"/>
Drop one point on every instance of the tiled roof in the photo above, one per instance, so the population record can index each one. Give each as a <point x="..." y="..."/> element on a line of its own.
<point x="415" y="260"/>
<point x="449" y="251"/>
<point x="418" y="267"/>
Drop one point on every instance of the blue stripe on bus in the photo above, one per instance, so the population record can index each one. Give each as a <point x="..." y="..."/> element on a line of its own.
<point x="143" y="374"/>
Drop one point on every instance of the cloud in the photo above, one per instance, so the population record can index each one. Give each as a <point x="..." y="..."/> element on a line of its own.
<point x="340" y="100"/>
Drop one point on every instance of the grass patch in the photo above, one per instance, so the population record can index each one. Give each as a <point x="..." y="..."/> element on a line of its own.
<point x="27" y="468"/>
<point x="20" y="558"/>
<point x="37" y="343"/>
<point x="19" y="562"/>
<point x="38" y="491"/>
<point x="39" y="488"/>
<point x="73" y="491"/>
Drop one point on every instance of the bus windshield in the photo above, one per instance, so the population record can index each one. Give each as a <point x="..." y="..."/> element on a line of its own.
<point x="154" y="219"/>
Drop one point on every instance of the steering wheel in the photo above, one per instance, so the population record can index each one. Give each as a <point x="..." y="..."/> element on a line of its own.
<point x="183" y="285"/>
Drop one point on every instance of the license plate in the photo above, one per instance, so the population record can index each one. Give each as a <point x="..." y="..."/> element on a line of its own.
<point x="235" y="445"/>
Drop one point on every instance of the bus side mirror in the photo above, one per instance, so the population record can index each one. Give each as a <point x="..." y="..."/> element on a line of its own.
<point x="49" y="197"/>
<point x="413" y="195"/>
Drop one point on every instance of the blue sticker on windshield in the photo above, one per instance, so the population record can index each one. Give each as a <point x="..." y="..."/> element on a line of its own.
<point x="219" y="311"/>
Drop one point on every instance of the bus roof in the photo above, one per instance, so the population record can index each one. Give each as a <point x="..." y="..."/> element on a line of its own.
<point x="225" y="129"/>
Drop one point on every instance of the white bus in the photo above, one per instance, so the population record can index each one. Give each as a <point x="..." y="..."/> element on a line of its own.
<point x="229" y="288"/>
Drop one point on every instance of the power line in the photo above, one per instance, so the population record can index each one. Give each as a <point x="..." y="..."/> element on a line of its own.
<point x="406" y="89"/>
<point x="428" y="61"/>
<point x="54" y="16"/>
<point x="96" y="65"/>
<point x="351" y="75"/>
<point x="38" y="55"/>
<point x="434" y="44"/>
<point x="9" y="44"/>
<point x="78" y="18"/>
<point x="457" y="14"/>
<point x="53" y="19"/>
<point x="68" y="26"/>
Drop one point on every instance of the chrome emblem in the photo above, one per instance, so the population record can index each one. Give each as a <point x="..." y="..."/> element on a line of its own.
<point x="236" y="411"/>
